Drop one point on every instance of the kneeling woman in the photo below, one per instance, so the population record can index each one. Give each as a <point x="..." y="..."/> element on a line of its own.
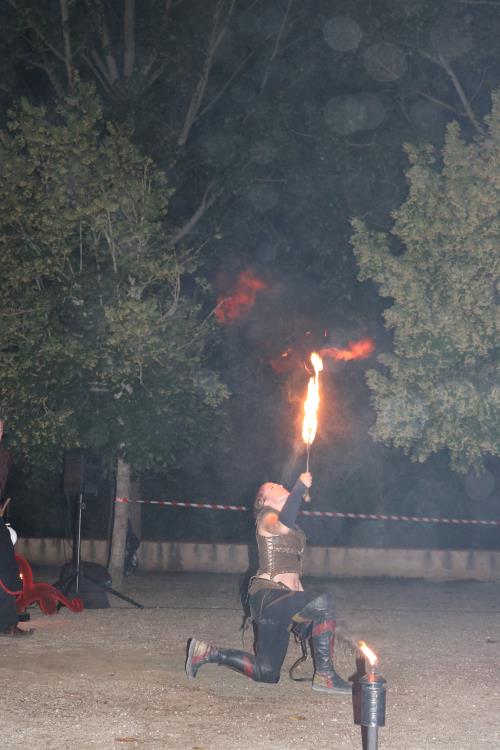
<point x="278" y="601"/>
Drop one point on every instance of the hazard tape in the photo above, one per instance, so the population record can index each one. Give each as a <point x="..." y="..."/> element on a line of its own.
<point x="179" y="504"/>
<point x="321" y="513"/>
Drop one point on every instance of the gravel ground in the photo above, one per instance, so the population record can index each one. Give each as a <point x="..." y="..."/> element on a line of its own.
<point x="113" y="678"/>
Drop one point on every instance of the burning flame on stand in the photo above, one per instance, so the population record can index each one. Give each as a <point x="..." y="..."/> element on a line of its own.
<point x="241" y="300"/>
<point x="368" y="654"/>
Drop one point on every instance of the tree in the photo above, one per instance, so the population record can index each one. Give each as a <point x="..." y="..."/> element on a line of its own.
<point x="101" y="347"/>
<point x="281" y="109"/>
<point x="440" y="389"/>
<point x="299" y="116"/>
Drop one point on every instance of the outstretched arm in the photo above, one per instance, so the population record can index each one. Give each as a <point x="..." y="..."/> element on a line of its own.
<point x="290" y="510"/>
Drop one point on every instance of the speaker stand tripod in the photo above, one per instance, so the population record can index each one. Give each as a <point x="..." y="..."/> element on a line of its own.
<point x="78" y="575"/>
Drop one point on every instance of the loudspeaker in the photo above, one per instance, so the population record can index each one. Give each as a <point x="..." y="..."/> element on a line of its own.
<point x="81" y="473"/>
<point x="92" y="584"/>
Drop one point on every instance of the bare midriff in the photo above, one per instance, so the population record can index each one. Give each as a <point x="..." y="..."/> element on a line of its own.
<point x="291" y="580"/>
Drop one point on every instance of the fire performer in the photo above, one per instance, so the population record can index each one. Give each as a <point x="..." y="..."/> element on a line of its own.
<point x="278" y="601"/>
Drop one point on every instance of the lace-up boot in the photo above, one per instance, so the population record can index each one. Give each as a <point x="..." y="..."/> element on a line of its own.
<point x="199" y="653"/>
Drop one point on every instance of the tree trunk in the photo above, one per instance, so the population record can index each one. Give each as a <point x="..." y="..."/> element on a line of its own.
<point x="216" y="37"/>
<point x="129" y="38"/>
<point x="119" y="534"/>
<point x="135" y="514"/>
<point x="67" y="42"/>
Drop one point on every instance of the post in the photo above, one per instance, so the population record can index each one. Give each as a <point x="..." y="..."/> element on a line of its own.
<point x="79" y="542"/>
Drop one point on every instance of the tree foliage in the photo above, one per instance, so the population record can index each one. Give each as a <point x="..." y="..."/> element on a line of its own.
<point x="440" y="387"/>
<point x="295" y="114"/>
<point x="275" y="121"/>
<point x="101" y="348"/>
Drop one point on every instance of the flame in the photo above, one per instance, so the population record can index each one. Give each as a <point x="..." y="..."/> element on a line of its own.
<point x="241" y="300"/>
<point x="354" y="350"/>
<point x="368" y="653"/>
<point x="290" y="359"/>
<point x="311" y="404"/>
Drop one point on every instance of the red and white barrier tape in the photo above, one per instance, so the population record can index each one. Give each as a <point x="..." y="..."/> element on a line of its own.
<point x="321" y="513"/>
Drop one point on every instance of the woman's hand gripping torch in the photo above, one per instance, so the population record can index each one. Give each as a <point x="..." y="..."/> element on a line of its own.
<point x="311" y="405"/>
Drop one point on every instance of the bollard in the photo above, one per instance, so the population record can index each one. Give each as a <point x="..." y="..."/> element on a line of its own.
<point x="373" y="692"/>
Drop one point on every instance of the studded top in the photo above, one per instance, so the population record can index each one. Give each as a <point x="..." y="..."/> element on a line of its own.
<point x="280" y="553"/>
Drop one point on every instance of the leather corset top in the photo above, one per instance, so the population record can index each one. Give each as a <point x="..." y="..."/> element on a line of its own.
<point x="281" y="553"/>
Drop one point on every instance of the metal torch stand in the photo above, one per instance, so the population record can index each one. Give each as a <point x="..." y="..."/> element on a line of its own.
<point x="373" y="692"/>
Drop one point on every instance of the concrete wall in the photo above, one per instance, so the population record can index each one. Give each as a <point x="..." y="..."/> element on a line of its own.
<point x="366" y="562"/>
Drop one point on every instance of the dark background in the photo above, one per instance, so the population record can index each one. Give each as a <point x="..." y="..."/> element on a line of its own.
<point x="306" y="110"/>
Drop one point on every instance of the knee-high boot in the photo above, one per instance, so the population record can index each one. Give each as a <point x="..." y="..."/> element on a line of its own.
<point x="325" y="677"/>
<point x="200" y="653"/>
<point x="320" y="613"/>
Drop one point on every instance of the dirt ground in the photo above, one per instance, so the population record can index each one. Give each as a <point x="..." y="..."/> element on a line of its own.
<point x="114" y="678"/>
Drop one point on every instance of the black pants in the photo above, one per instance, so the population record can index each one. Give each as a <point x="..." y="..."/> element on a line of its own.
<point x="8" y="611"/>
<point x="274" y="612"/>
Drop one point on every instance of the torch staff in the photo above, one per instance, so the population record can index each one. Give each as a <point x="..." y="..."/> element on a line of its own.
<point x="311" y="405"/>
<point x="307" y="495"/>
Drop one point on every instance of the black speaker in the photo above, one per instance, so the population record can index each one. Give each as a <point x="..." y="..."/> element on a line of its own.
<point x="82" y="473"/>
<point x="93" y="581"/>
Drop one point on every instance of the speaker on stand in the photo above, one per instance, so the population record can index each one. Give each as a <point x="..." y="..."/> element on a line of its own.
<point x="80" y="477"/>
<point x="91" y="581"/>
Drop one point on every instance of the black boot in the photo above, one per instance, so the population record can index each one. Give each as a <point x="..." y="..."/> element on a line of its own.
<point x="200" y="653"/>
<point x="326" y="679"/>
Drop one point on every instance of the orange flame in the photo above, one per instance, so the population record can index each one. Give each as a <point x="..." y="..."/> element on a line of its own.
<point x="241" y="300"/>
<point x="368" y="653"/>
<point x="354" y="350"/>
<point x="311" y="404"/>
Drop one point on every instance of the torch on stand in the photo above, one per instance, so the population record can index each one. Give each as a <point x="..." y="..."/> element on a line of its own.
<point x="373" y="693"/>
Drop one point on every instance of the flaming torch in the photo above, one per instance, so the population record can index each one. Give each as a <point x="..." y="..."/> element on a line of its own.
<point x="311" y="405"/>
<point x="373" y="692"/>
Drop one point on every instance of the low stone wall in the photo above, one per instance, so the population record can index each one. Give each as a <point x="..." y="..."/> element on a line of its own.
<point x="363" y="562"/>
<point x="56" y="552"/>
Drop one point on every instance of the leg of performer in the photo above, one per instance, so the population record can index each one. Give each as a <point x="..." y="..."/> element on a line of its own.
<point x="321" y="614"/>
<point x="265" y="666"/>
<point x="271" y="646"/>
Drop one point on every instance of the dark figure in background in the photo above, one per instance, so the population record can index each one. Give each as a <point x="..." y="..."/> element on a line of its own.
<point x="9" y="577"/>
<point x="9" y="570"/>
<point x="132" y="544"/>
<point x="278" y="601"/>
